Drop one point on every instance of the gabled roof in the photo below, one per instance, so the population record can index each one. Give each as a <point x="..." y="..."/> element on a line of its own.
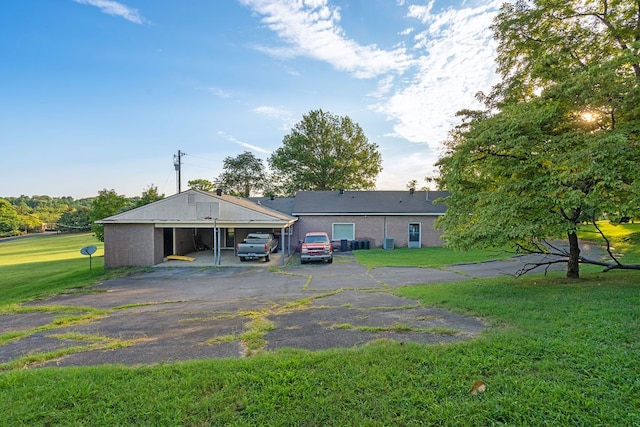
<point x="280" y="204"/>
<point x="368" y="203"/>
<point x="195" y="208"/>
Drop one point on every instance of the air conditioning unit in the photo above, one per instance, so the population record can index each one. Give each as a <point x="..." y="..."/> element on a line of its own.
<point x="387" y="244"/>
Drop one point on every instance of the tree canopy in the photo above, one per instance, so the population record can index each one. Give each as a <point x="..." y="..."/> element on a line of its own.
<point x="558" y="143"/>
<point x="201" y="184"/>
<point x="243" y="175"/>
<point x="107" y="203"/>
<point x="326" y="152"/>
<point x="9" y="219"/>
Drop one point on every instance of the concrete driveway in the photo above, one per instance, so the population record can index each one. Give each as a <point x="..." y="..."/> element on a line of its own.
<point x="181" y="313"/>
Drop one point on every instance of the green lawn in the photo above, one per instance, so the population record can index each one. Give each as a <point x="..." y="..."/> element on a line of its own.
<point x="559" y="352"/>
<point x="623" y="238"/>
<point x="425" y="257"/>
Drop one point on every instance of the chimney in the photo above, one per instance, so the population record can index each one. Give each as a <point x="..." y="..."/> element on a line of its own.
<point x="272" y="197"/>
<point x="412" y="190"/>
<point x="219" y="191"/>
<point x="342" y="191"/>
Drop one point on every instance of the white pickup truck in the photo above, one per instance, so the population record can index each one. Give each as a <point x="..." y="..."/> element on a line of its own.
<point x="257" y="245"/>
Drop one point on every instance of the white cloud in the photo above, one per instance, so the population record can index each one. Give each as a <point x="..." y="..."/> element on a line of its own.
<point x="219" y="93"/>
<point x="456" y="61"/>
<point x="283" y="116"/>
<point x="243" y="144"/>
<point x="449" y="58"/>
<point x="116" y="9"/>
<point x="311" y="28"/>
<point x="399" y="169"/>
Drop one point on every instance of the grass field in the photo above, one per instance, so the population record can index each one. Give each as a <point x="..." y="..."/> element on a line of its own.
<point x="425" y="257"/>
<point x="559" y="352"/>
<point x="34" y="267"/>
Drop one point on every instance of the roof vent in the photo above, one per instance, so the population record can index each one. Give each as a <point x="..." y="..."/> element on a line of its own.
<point x="412" y="190"/>
<point x="219" y="191"/>
<point x="272" y="197"/>
<point x="342" y="191"/>
<point x="427" y="195"/>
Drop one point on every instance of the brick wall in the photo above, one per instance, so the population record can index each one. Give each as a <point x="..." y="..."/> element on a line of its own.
<point x="130" y="245"/>
<point x="372" y="228"/>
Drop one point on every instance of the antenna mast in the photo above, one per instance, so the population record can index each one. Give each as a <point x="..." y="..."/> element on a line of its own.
<point x="177" y="163"/>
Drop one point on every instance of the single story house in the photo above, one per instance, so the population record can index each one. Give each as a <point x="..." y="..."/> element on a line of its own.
<point x="381" y="218"/>
<point x="194" y="220"/>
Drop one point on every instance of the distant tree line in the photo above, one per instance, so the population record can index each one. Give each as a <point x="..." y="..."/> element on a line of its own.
<point x="34" y="214"/>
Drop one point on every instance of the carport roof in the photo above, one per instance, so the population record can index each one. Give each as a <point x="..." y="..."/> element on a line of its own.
<point x="195" y="208"/>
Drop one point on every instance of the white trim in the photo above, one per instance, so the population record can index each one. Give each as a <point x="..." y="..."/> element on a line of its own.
<point x="353" y="230"/>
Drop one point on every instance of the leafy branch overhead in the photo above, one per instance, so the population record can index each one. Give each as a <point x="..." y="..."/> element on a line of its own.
<point x="557" y="144"/>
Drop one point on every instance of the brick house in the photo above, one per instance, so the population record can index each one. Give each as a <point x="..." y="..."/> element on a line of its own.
<point x="406" y="217"/>
<point x="183" y="223"/>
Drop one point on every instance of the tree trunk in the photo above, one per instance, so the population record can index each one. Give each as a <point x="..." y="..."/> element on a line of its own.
<point x="573" y="264"/>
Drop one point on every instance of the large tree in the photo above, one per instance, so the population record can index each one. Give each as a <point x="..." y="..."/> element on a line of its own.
<point x="326" y="152"/>
<point x="9" y="219"/>
<point x="558" y="143"/>
<point x="149" y="195"/>
<point x="201" y="184"/>
<point x="107" y="203"/>
<point x="243" y="175"/>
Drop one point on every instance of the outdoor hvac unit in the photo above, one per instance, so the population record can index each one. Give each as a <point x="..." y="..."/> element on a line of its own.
<point x="387" y="244"/>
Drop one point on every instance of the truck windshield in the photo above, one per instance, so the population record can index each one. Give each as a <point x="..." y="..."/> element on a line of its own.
<point x="317" y="239"/>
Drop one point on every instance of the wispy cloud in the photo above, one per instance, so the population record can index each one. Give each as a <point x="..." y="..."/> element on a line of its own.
<point x="219" y="93"/>
<point x="456" y="54"/>
<point x="278" y="113"/>
<point x="116" y="9"/>
<point x="243" y="144"/>
<point x="311" y="28"/>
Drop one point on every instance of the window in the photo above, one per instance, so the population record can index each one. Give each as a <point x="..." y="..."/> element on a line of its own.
<point x="343" y="231"/>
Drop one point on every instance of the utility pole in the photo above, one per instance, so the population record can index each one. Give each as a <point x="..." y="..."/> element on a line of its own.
<point x="177" y="163"/>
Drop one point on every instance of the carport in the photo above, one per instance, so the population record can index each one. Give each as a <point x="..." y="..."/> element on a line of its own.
<point x="187" y="222"/>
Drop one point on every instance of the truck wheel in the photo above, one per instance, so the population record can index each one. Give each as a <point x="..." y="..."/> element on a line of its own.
<point x="330" y="261"/>
<point x="267" y="258"/>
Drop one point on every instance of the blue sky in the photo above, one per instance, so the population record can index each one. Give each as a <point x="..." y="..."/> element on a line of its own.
<point x="102" y="94"/>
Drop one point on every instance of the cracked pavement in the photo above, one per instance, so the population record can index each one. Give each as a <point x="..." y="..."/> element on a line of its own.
<point x="174" y="314"/>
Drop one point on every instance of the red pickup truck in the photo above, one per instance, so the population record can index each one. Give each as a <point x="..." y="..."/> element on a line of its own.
<point x="316" y="247"/>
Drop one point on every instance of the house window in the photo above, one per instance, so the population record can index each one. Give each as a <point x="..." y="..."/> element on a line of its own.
<point x="343" y="231"/>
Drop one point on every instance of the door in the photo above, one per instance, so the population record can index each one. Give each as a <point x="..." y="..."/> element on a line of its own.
<point x="230" y="238"/>
<point x="414" y="235"/>
<point x="168" y="242"/>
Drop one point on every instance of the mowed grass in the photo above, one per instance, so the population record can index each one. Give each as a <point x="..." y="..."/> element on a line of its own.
<point x="623" y="238"/>
<point x="558" y="352"/>
<point x="426" y="257"/>
<point x="34" y="267"/>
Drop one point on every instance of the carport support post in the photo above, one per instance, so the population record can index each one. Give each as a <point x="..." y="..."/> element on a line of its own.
<point x="282" y="245"/>
<point x="216" y="243"/>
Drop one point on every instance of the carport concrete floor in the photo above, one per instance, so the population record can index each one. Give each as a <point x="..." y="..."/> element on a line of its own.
<point x="227" y="259"/>
<point x="182" y="312"/>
